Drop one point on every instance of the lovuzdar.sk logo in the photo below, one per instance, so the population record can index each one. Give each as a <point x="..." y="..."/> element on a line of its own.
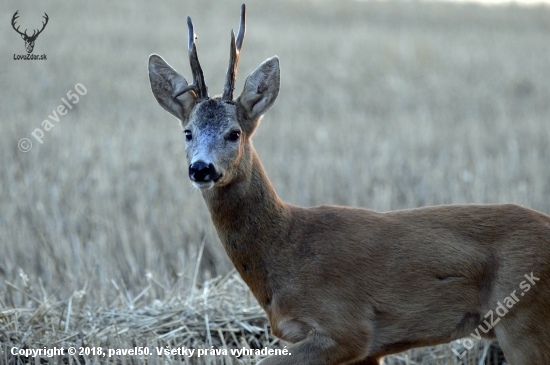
<point x="29" y="39"/>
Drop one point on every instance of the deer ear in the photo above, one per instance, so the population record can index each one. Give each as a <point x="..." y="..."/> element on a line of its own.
<point x="261" y="89"/>
<point x="165" y="84"/>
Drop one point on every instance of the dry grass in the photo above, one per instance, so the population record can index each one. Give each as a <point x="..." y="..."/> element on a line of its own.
<point x="385" y="105"/>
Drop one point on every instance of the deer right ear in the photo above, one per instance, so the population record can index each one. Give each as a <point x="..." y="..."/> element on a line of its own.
<point x="166" y="83"/>
<point x="261" y="89"/>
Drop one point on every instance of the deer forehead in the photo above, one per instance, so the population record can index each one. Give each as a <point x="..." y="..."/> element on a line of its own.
<point x="214" y="114"/>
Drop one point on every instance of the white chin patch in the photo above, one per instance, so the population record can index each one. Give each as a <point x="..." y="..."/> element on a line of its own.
<point x="203" y="185"/>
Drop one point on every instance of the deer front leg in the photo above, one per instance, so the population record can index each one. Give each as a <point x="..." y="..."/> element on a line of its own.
<point x="320" y="349"/>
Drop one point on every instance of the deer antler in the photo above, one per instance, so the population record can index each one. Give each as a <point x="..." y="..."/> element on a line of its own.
<point x="198" y="85"/>
<point x="36" y="31"/>
<point x="234" y="55"/>
<point x="35" y="34"/>
<point x="15" y="16"/>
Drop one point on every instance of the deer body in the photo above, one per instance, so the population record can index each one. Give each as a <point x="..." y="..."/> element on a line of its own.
<point x="328" y="270"/>
<point x="349" y="285"/>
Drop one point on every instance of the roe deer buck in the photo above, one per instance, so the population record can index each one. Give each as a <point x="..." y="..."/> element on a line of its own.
<point x="348" y="285"/>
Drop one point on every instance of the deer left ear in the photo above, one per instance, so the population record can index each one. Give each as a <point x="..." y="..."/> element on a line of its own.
<point x="261" y="89"/>
<point x="166" y="83"/>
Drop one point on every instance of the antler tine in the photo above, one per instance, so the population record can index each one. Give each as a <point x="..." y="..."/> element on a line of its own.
<point x="13" y="19"/>
<point x="242" y="28"/>
<point x="36" y="32"/>
<point x="44" y="23"/>
<point x="235" y="52"/>
<point x="198" y="85"/>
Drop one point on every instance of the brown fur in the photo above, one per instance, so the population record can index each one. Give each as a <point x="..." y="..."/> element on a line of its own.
<point x="349" y="285"/>
<point x="365" y="284"/>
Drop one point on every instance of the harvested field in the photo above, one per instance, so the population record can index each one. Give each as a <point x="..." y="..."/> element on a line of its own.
<point x="384" y="105"/>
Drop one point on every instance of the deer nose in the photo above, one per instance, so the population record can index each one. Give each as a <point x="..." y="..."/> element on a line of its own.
<point x="201" y="172"/>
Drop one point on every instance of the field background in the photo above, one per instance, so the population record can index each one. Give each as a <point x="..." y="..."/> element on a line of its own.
<point x="384" y="105"/>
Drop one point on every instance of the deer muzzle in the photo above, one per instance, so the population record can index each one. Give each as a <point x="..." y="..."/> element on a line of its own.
<point x="202" y="172"/>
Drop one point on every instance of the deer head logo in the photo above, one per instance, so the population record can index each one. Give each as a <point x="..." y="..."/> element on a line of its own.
<point x="29" y="40"/>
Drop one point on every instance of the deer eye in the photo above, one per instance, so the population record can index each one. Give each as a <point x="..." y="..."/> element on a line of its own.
<point x="234" y="136"/>
<point x="188" y="135"/>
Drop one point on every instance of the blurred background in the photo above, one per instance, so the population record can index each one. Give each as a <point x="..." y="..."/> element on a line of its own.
<point x="383" y="104"/>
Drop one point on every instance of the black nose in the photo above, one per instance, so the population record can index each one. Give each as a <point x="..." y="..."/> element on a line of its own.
<point x="201" y="172"/>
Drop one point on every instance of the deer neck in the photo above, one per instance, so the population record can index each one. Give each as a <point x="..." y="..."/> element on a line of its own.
<point x="249" y="218"/>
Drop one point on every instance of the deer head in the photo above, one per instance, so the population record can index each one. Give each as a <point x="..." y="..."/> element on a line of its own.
<point x="29" y="40"/>
<point x="217" y="130"/>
